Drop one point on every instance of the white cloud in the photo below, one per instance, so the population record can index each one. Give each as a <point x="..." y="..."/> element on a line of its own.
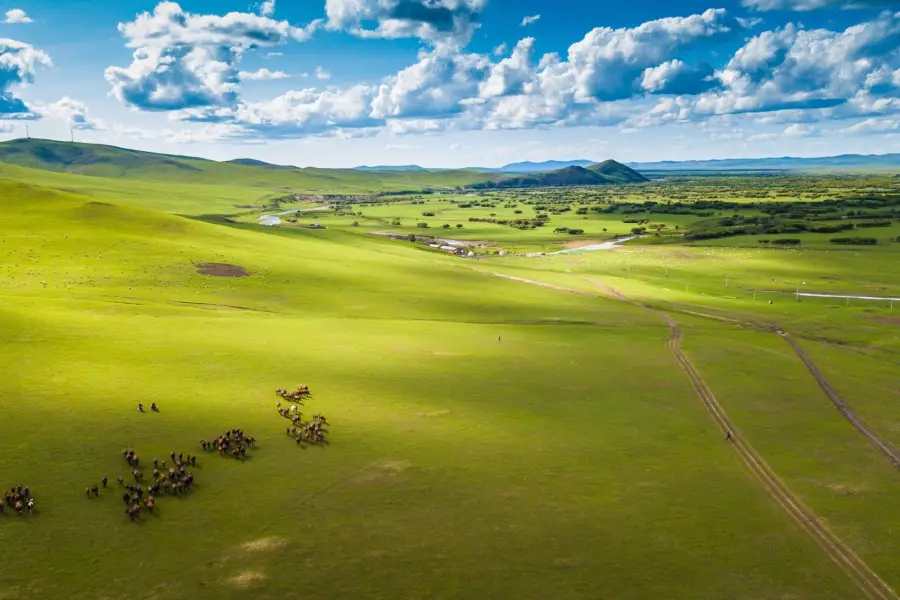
<point x="267" y="8"/>
<point x="183" y="60"/>
<point x="813" y="71"/>
<point x="433" y="87"/>
<point x="262" y="74"/>
<point x="17" y="15"/>
<point x="872" y="125"/>
<point x="798" y="130"/>
<point x="529" y="20"/>
<point x="73" y="113"/>
<point x="500" y="50"/>
<point x="18" y="63"/>
<point x="510" y="75"/>
<point x="273" y="54"/>
<point x="321" y="74"/>
<point x="437" y="21"/>
<point x="807" y="5"/>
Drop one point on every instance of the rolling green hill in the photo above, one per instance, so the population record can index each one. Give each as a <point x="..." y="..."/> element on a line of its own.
<point x="616" y="172"/>
<point x="605" y="173"/>
<point x="119" y="163"/>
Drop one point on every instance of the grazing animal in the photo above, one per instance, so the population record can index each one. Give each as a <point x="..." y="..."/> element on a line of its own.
<point x="104" y="481"/>
<point x="30" y="505"/>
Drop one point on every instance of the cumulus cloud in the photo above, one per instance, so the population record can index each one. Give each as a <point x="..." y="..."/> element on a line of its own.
<point x="434" y="87"/>
<point x="18" y="63"/>
<point x="872" y="125"/>
<point x="262" y="74"/>
<point x="267" y="8"/>
<point x="807" y="5"/>
<point x="500" y="50"/>
<point x="676" y="77"/>
<point x="321" y="74"/>
<point x="529" y="20"/>
<point x="436" y="21"/>
<point x="855" y="72"/>
<point x="17" y="15"/>
<point x="183" y="60"/>
<point x="74" y="113"/>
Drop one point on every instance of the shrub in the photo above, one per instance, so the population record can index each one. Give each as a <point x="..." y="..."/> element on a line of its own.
<point x="561" y="230"/>
<point x="459" y="225"/>
<point x="787" y="242"/>
<point x="427" y="214"/>
<point x="874" y="224"/>
<point x="446" y="226"/>
<point x="575" y="231"/>
<point x="422" y="225"/>
<point x="638" y="230"/>
<point x="518" y="212"/>
<point x="855" y="241"/>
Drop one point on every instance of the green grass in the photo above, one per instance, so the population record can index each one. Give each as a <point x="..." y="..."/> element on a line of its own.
<point x="570" y="459"/>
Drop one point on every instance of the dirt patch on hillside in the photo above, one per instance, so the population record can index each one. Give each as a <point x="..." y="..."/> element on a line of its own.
<point x="886" y="320"/>
<point x="221" y="270"/>
<point x="246" y="578"/>
<point x="384" y="470"/>
<point x="265" y="544"/>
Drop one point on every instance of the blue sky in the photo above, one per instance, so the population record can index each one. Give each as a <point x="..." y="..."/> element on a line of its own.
<point x="456" y="83"/>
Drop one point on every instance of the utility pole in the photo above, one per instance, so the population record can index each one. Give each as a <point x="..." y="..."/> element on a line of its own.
<point x="27" y="135"/>
<point x="72" y="133"/>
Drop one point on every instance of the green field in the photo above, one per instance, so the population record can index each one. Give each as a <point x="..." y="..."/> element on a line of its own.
<point x="489" y="436"/>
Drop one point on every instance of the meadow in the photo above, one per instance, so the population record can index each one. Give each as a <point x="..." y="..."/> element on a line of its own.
<point x="490" y="436"/>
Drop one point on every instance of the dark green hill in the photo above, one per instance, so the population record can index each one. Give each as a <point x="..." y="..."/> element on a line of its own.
<point x="616" y="172"/>
<point x="569" y="176"/>
<point x="93" y="159"/>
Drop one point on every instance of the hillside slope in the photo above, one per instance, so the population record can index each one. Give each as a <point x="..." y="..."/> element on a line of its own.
<point x="616" y="172"/>
<point x="606" y="173"/>
<point x="120" y="163"/>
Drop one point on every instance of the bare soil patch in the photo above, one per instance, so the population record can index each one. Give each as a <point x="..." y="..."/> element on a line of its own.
<point x="886" y="320"/>
<point x="221" y="270"/>
<point x="246" y="578"/>
<point x="384" y="470"/>
<point x="265" y="544"/>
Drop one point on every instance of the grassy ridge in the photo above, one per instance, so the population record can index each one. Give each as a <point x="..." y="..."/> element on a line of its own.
<point x="119" y="163"/>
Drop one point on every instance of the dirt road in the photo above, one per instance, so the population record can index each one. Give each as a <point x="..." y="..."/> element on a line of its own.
<point x="870" y="585"/>
<point x="882" y="445"/>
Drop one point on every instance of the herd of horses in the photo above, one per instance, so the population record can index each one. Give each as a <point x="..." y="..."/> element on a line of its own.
<point x="176" y="479"/>
<point x="18" y="498"/>
<point x="305" y="432"/>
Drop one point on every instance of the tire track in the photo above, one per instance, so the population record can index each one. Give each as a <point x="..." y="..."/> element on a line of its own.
<point x="869" y="583"/>
<point x="848" y="413"/>
<point x="873" y="586"/>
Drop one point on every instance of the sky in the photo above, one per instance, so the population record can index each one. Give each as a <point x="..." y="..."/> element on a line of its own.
<point x="456" y="83"/>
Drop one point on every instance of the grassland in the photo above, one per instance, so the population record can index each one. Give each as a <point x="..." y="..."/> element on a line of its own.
<point x="490" y="437"/>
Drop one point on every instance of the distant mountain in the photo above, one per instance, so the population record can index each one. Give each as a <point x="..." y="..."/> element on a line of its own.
<point x="536" y="167"/>
<point x="845" y="162"/>
<point x="390" y="168"/>
<point x="605" y="173"/>
<point x="616" y="172"/>
<point x="252" y="162"/>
